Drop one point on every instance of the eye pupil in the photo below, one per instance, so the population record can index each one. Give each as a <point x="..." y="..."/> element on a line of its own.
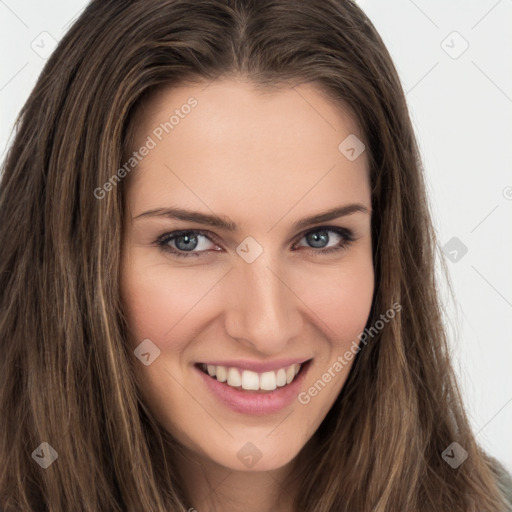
<point x="315" y="239"/>
<point x="187" y="239"/>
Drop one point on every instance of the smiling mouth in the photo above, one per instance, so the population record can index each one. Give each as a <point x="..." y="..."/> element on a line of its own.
<point x="248" y="380"/>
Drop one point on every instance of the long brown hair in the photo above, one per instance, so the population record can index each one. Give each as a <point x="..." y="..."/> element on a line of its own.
<point x="66" y="372"/>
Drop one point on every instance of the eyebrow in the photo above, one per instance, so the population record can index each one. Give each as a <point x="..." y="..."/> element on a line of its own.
<point x="228" y="225"/>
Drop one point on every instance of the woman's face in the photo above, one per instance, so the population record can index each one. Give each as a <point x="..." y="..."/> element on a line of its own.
<point x="225" y="313"/>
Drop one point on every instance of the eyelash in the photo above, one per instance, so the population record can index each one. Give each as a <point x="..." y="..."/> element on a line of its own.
<point x="163" y="241"/>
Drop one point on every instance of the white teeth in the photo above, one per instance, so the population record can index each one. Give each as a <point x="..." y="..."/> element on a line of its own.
<point x="252" y="381"/>
<point x="222" y="374"/>
<point x="234" y="378"/>
<point x="268" y="381"/>
<point x="281" y="377"/>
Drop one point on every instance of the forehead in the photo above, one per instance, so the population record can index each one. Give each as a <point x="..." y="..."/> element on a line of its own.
<point x="243" y="145"/>
<point x="240" y="103"/>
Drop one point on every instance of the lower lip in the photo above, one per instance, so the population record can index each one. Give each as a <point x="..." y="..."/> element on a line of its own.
<point x="254" y="402"/>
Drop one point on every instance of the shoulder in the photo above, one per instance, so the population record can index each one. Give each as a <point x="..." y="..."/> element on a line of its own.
<point x="504" y="479"/>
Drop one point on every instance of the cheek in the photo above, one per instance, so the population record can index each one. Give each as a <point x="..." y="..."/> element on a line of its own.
<point x="340" y="302"/>
<point x="340" y="297"/>
<point x="349" y="304"/>
<point x="156" y="299"/>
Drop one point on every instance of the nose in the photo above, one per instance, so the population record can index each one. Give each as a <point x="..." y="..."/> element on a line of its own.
<point x="263" y="311"/>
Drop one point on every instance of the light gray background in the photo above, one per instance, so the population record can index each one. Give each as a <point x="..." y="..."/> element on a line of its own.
<point x="461" y="107"/>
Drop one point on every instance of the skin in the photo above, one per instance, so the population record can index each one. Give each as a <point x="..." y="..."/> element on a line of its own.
<point x="264" y="160"/>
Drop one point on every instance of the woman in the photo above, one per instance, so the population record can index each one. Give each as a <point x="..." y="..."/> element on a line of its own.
<point x="170" y="342"/>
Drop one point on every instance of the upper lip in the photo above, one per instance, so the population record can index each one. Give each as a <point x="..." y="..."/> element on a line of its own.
<point x="257" y="366"/>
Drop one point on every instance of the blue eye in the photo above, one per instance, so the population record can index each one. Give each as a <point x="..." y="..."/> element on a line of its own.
<point x="183" y="244"/>
<point x="320" y="236"/>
